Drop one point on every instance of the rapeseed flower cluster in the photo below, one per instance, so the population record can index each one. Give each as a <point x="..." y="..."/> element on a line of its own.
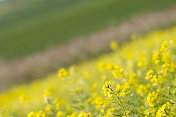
<point x="114" y="45"/>
<point x="62" y="73"/>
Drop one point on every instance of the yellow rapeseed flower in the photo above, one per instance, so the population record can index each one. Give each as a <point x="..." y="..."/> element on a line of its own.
<point x="113" y="45"/>
<point x="62" y="73"/>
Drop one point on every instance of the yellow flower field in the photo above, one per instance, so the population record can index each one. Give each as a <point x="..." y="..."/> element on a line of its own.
<point x="135" y="80"/>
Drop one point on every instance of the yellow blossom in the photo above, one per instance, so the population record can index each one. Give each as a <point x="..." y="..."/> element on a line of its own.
<point x="62" y="73"/>
<point x="113" y="45"/>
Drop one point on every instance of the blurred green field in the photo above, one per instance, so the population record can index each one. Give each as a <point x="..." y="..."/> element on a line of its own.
<point x="28" y="27"/>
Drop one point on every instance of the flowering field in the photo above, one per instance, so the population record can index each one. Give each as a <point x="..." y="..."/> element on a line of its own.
<point x="138" y="79"/>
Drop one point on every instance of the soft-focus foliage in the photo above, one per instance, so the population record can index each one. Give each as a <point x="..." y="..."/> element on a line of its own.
<point x="138" y="79"/>
<point x="30" y="26"/>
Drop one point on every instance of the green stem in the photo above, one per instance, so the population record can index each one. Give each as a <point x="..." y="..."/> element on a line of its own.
<point x="119" y="101"/>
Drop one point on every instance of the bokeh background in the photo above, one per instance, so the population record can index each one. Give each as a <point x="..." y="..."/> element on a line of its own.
<point x="39" y="36"/>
